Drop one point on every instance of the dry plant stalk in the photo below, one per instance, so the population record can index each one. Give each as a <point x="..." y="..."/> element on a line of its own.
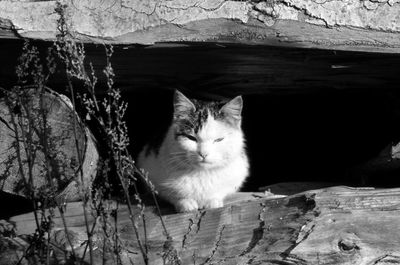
<point x="108" y="115"/>
<point x="33" y="135"/>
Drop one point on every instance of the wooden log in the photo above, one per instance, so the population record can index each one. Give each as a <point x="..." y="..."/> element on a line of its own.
<point x="61" y="159"/>
<point x="337" y="24"/>
<point x="338" y="225"/>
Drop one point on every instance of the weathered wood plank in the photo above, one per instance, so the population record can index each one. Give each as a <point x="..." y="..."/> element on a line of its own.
<point x="338" y="225"/>
<point x="337" y="24"/>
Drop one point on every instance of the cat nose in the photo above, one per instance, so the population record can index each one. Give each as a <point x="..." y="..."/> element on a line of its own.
<point x="203" y="155"/>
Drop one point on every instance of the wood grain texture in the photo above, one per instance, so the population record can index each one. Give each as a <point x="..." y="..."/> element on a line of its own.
<point x="337" y="225"/>
<point x="212" y="70"/>
<point x="336" y="24"/>
<point x="61" y="159"/>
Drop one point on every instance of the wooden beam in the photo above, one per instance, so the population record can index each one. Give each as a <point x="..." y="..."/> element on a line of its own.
<point x="372" y="26"/>
<point x="226" y="69"/>
<point x="338" y="225"/>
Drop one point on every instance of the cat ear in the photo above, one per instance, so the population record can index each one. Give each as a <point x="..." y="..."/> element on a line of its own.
<point x="182" y="105"/>
<point x="233" y="108"/>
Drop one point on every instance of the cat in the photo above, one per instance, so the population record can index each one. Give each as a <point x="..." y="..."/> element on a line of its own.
<point x="202" y="157"/>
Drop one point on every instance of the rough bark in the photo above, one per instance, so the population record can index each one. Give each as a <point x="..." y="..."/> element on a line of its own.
<point x="338" y="225"/>
<point x="335" y="24"/>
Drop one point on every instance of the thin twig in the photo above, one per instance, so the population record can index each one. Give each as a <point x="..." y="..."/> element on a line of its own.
<point x="80" y="158"/>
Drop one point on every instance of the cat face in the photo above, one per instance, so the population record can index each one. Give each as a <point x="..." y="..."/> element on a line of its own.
<point x="206" y="135"/>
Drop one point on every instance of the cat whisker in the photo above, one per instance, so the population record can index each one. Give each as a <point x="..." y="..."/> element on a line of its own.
<point x="178" y="153"/>
<point x="177" y="165"/>
<point x="176" y="158"/>
<point x="185" y="159"/>
<point x="182" y="158"/>
<point x="174" y="165"/>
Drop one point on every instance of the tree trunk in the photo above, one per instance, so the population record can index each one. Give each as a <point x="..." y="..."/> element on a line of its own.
<point x="338" y="225"/>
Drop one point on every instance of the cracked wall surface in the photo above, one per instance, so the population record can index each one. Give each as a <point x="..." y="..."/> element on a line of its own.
<point x="111" y="18"/>
<point x="382" y="15"/>
<point x="150" y="21"/>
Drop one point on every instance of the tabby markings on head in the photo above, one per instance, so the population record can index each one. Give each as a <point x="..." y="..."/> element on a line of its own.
<point x="191" y="115"/>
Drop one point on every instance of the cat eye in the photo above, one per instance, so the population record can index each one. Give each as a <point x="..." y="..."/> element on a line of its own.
<point x="218" y="140"/>
<point x="190" y="137"/>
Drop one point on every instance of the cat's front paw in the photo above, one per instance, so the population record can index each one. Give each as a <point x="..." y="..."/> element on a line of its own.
<point x="186" y="205"/>
<point x="214" y="203"/>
